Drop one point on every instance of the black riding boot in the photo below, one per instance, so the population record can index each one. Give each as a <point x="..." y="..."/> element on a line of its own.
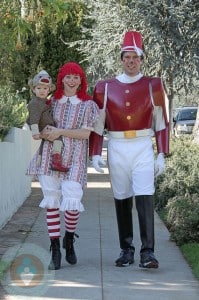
<point x="55" y="262"/>
<point x="145" y="209"/>
<point x="125" y="229"/>
<point x="68" y="241"/>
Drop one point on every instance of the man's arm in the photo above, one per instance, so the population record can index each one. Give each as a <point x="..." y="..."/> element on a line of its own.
<point x="162" y="133"/>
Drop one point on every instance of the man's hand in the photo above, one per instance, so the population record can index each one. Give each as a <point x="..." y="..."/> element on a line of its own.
<point x="96" y="161"/>
<point x="159" y="164"/>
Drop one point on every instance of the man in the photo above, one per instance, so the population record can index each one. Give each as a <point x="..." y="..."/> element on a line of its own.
<point x="136" y="110"/>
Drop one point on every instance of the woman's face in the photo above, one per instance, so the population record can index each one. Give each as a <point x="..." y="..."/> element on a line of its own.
<point x="71" y="84"/>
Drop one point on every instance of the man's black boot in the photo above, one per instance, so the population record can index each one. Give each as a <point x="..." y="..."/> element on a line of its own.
<point x="148" y="260"/>
<point x="125" y="229"/>
<point x="126" y="257"/>
<point x="145" y="209"/>
<point x="68" y="242"/>
<point x="55" y="263"/>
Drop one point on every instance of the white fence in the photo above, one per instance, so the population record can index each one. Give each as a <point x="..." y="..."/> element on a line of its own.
<point x="15" y="153"/>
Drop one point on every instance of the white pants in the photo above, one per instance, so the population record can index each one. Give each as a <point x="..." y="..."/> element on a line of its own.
<point x="131" y="167"/>
<point x="62" y="194"/>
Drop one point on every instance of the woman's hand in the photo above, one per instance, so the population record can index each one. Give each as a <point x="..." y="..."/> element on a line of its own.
<point x="52" y="133"/>
<point x="48" y="128"/>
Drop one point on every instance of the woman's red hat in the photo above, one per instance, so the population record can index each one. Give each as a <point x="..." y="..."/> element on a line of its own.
<point x="71" y="68"/>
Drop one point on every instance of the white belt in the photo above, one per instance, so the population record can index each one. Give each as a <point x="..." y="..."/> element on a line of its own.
<point x="130" y="134"/>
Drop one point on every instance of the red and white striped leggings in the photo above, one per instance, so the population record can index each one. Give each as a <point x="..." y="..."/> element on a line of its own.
<point x="53" y="221"/>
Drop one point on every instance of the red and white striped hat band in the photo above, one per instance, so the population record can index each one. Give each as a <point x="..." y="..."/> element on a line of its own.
<point x="132" y="42"/>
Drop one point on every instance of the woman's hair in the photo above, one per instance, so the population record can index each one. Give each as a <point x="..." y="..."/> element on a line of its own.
<point x="71" y="68"/>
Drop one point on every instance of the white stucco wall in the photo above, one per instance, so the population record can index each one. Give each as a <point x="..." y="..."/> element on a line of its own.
<point x="15" y="186"/>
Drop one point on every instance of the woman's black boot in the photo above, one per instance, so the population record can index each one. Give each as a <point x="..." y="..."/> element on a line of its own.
<point x="55" y="263"/>
<point x="68" y="242"/>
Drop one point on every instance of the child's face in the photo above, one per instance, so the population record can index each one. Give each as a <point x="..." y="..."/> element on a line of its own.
<point x="41" y="90"/>
<point x="71" y="83"/>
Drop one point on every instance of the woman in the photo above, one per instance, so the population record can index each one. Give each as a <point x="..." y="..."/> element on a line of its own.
<point x="74" y="114"/>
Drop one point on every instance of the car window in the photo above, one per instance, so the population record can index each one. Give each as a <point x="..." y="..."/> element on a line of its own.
<point x="189" y="114"/>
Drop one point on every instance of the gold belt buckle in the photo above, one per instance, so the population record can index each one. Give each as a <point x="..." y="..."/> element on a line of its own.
<point x="130" y="134"/>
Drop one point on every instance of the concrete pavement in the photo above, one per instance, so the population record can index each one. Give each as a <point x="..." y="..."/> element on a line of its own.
<point x="24" y="241"/>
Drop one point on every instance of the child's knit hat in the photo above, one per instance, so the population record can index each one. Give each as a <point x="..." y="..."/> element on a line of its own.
<point x="41" y="78"/>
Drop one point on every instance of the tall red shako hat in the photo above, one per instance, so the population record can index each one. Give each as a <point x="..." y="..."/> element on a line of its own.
<point x="74" y="69"/>
<point x="132" y="42"/>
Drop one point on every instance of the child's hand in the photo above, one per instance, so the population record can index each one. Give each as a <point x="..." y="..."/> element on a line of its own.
<point x="36" y="137"/>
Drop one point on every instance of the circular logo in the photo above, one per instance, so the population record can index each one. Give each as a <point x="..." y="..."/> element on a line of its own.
<point x="27" y="271"/>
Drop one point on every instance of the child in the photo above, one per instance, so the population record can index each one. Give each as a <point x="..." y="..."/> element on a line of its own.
<point x="40" y="115"/>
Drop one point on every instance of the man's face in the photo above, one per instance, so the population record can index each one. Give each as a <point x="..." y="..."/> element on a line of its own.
<point x="131" y="63"/>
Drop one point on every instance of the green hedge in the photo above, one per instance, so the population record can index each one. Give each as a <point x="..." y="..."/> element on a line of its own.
<point x="183" y="218"/>
<point x="177" y="191"/>
<point x="13" y="110"/>
<point x="181" y="175"/>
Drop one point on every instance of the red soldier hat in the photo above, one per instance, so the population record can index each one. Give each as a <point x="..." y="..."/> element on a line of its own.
<point x="133" y="42"/>
<point x="71" y="68"/>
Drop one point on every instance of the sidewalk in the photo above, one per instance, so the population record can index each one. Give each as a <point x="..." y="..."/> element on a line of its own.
<point x="95" y="276"/>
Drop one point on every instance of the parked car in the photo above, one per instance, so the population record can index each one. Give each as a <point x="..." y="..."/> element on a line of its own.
<point x="184" y="120"/>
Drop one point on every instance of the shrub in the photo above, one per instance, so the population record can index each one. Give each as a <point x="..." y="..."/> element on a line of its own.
<point x="183" y="218"/>
<point x="177" y="191"/>
<point x="181" y="175"/>
<point x="13" y="110"/>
